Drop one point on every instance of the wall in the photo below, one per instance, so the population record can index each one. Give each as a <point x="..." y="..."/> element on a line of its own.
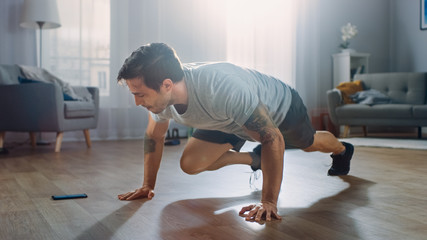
<point x="325" y="21"/>
<point x="17" y="44"/>
<point x="409" y="43"/>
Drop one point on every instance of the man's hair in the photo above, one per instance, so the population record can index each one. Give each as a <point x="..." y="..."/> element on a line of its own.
<point x="154" y="63"/>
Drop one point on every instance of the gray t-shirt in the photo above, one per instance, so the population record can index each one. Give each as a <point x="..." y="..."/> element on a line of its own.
<point x="222" y="96"/>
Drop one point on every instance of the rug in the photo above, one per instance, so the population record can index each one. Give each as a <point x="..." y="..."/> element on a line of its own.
<point x="388" y="142"/>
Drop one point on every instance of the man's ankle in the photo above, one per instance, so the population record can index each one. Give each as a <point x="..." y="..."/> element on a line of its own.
<point x="340" y="153"/>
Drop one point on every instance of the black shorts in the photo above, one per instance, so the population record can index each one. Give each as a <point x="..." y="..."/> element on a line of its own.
<point x="296" y="129"/>
<point x="219" y="137"/>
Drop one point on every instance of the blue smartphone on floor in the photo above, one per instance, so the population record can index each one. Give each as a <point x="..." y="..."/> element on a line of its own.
<point x="72" y="196"/>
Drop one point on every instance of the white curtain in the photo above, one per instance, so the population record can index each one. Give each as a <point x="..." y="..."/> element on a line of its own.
<point x="261" y="35"/>
<point x="307" y="57"/>
<point x="255" y="34"/>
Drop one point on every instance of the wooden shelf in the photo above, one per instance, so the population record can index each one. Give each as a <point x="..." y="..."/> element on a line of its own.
<point x="346" y="64"/>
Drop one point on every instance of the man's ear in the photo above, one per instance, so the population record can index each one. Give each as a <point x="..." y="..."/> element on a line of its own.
<point x="167" y="84"/>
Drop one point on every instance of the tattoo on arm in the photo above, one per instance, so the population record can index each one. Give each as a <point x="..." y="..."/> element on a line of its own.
<point x="149" y="144"/>
<point x="261" y="122"/>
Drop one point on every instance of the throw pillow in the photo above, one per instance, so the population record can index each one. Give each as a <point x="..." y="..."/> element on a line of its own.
<point x="25" y="80"/>
<point x="68" y="97"/>
<point x="349" y="88"/>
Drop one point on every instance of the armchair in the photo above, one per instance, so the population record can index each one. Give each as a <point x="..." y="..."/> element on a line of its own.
<point x="40" y="107"/>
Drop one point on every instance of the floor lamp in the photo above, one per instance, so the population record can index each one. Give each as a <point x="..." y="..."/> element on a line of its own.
<point x="40" y="14"/>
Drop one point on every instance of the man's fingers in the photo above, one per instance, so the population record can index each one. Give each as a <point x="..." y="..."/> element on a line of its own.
<point x="252" y="213"/>
<point x="245" y="209"/>
<point x="268" y="216"/>
<point x="259" y="214"/>
<point x="122" y="196"/>
<point x="125" y="196"/>
<point x="277" y="216"/>
<point x="131" y="197"/>
<point x="138" y="193"/>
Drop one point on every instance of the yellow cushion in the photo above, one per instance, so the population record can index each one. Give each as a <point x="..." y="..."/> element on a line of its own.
<point x="349" y="88"/>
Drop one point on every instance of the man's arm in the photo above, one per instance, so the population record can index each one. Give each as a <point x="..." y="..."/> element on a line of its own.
<point x="261" y="127"/>
<point x="153" y="149"/>
<point x="154" y="140"/>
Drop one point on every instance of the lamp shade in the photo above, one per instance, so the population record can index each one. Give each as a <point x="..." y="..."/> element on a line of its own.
<point x="40" y="11"/>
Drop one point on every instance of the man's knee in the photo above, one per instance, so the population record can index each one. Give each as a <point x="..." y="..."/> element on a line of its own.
<point x="188" y="165"/>
<point x="316" y="145"/>
<point x="311" y="148"/>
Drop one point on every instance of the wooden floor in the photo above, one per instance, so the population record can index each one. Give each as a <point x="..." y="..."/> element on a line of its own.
<point x="385" y="197"/>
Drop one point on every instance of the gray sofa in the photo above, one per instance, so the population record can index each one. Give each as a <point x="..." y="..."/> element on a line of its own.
<point x="40" y="107"/>
<point x="408" y="107"/>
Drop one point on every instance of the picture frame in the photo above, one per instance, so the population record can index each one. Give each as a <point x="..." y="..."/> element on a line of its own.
<point x="423" y="14"/>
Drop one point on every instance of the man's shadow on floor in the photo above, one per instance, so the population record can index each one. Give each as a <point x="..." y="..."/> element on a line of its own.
<point x="328" y="218"/>
<point x="107" y="227"/>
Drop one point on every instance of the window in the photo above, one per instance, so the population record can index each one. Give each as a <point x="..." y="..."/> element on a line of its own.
<point x="79" y="51"/>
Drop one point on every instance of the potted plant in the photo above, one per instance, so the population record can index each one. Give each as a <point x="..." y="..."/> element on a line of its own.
<point x="348" y="32"/>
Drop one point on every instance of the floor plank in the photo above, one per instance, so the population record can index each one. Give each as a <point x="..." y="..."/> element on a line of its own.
<point x="384" y="196"/>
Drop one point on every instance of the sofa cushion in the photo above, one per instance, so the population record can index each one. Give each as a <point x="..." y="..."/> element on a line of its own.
<point x="405" y="88"/>
<point x="79" y="109"/>
<point x="376" y="111"/>
<point x="9" y="74"/>
<point x="419" y="111"/>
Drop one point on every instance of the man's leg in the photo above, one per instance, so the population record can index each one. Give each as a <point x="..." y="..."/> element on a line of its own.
<point x="326" y="142"/>
<point x="203" y="154"/>
<point x="342" y="152"/>
<point x="299" y="133"/>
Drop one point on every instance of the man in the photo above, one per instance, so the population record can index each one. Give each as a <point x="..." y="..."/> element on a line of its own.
<point x="227" y="105"/>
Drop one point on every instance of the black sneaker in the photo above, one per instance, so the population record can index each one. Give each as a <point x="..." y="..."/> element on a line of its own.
<point x="341" y="163"/>
<point x="256" y="158"/>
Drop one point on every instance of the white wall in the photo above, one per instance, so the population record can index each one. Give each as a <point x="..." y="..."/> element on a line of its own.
<point x="409" y="43"/>
<point x="17" y="44"/>
<point x="372" y="19"/>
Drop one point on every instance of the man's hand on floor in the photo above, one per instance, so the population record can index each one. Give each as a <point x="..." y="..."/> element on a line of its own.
<point x="261" y="211"/>
<point x="144" y="192"/>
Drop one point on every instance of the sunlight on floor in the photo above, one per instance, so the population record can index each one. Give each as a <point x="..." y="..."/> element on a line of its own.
<point x="236" y="209"/>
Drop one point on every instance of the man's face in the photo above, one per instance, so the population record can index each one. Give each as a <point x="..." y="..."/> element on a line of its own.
<point x="153" y="101"/>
